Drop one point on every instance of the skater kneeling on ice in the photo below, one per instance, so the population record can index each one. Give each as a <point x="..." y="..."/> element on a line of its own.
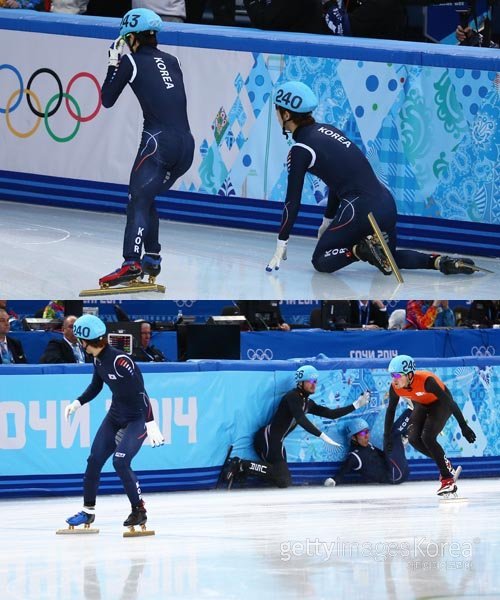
<point x="126" y="425"/>
<point x="345" y="235"/>
<point x="433" y="406"/>
<point x="373" y="464"/>
<point x="291" y="411"/>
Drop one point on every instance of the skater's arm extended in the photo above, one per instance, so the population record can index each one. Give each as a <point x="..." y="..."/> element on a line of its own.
<point x="295" y="404"/>
<point x="330" y="413"/>
<point x="444" y="395"/>
<point x="92" y="390"/>
<point x="300" y="159"/>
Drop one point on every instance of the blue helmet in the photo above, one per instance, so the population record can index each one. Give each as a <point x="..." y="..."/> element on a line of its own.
<point x="295" y="96"/>
<point x="89" y="327"/>
<point x="402" y="364"/>
<point x="355" y="426"/>
<point x="140" y="19"/>
<point x="306" y="373"/>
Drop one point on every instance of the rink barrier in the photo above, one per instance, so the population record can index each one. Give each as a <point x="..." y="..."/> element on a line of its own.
<point x="204" y="407"/>
<point x="232" y="210"/>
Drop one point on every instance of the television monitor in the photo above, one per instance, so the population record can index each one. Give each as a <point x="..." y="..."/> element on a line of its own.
<point x="261" y="314"/>
<point x="197" y="341"/>
<point x="121" y="334"/>
<point x="239" y="320"/>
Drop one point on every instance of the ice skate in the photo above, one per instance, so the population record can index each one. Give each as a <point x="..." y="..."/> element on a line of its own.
<point x="125" y="280"/>
<point x="231" y="468"/>
<point x="151" y="266"/>
<point x="137" y="518"/>
<point x="384" y="248"/>
<point x="453" y="266"/>
<point x="447" y="487"/>
<point x="369" y="250"/>
<point x="81" y="518"/>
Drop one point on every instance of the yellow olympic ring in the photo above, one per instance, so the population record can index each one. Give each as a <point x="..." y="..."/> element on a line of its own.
<point x="7" y="117"/>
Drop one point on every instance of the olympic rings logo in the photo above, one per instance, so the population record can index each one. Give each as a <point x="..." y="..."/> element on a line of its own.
<point x="52" y="106"/>
<point x="184" y="303"/>
<point x="260" y="354"/>
<point x="482" y="351"/>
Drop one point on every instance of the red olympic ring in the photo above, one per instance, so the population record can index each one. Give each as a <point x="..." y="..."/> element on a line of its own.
<point x="99" y="102"/>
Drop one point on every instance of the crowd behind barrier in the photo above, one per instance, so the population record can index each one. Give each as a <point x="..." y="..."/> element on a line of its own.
<point x="204" y="407"/>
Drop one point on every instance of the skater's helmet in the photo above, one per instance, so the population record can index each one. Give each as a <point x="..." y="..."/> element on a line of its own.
<point x="295" y="96"/>
<point x="402" y="365"/>
<point x="306" y="373"/>
<point x="89" y="327"/>
<point x="138" y="20"/>
<point x="355" y="426"/>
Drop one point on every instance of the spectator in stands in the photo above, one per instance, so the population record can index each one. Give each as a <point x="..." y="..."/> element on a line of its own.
<point x="369" y="314"/>
<point x="74" y="7"/>
<point x="370" y="462"/>
<point x="383" y="19"/>
<point x="223" y="11"/>
<point x="483" y="313"/>
<point x="11" y="350"/>
<point x="424" y="314"/>
<point x="168" y="10"/>
<point x="29" y="4"/>
<point x="105" y="8"/>
<point x="487" y="36"/>
<point x="397" y="319"/>
<point x="287" y="15"/>
<point x="263" y="314"/>
<point x="66" y="349"/>
<point x="146" y="352"/>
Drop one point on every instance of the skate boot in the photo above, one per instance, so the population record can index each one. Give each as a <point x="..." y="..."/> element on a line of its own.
<point x="81" y="518"/>
<point x="138" y="516"/>
<point x="151" y="265"/>
<point x="452" y="266"/>
<point x="369" y="250"/>
<point x="129" y="271"/>
<point x="448" y="487"/>
<point x="230" y="471"/>
<point x="85" y="517"/>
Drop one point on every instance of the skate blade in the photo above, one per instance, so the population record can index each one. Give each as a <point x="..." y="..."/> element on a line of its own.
<point x="452" y="499"/>
<point x="74" y="530"/>
<point x="131" y="288"/>
<point x="458" y="470"/>
<point x="133" y="532"/>
<point x="385" y="248"/>
<point x="460" y="263"/>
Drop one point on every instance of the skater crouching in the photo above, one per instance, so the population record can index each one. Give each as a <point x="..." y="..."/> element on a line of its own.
<point x="291" y="411"/>
<point x="125" y="426"/>
<point x="433" y="406"/>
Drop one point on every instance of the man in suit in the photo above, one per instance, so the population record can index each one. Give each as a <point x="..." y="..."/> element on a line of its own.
<point x="369" y="314"/>
<point x="11" y="350"/>
<point x="146" y="352"/>
<point x="66" y="349"/>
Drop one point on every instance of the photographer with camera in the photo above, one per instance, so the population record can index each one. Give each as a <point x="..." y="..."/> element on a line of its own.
<point x="486" y="37"/>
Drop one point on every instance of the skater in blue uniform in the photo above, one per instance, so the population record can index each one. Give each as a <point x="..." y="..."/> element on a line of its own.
<point x="291" y="411"/>
<point x="345" y="235"/>
<point x="124" y="428"/>
<point x="370" y="462"/>
<point x="167" y="145"/>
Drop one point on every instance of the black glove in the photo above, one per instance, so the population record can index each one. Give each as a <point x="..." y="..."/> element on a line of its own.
<point x="388" y="444"/>
<point x="468" y="434"/>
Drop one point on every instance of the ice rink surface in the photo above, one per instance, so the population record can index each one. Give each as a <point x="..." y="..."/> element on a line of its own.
<point x="357" y="541"/>
<point x="51" y="252"/>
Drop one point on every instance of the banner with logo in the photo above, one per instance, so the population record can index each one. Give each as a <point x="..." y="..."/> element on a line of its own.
<point x="430" y="131"/>
<point x="202" y="413"/>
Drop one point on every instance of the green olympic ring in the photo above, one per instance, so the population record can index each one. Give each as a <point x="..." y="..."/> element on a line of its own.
<point x="46" y="117"/>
